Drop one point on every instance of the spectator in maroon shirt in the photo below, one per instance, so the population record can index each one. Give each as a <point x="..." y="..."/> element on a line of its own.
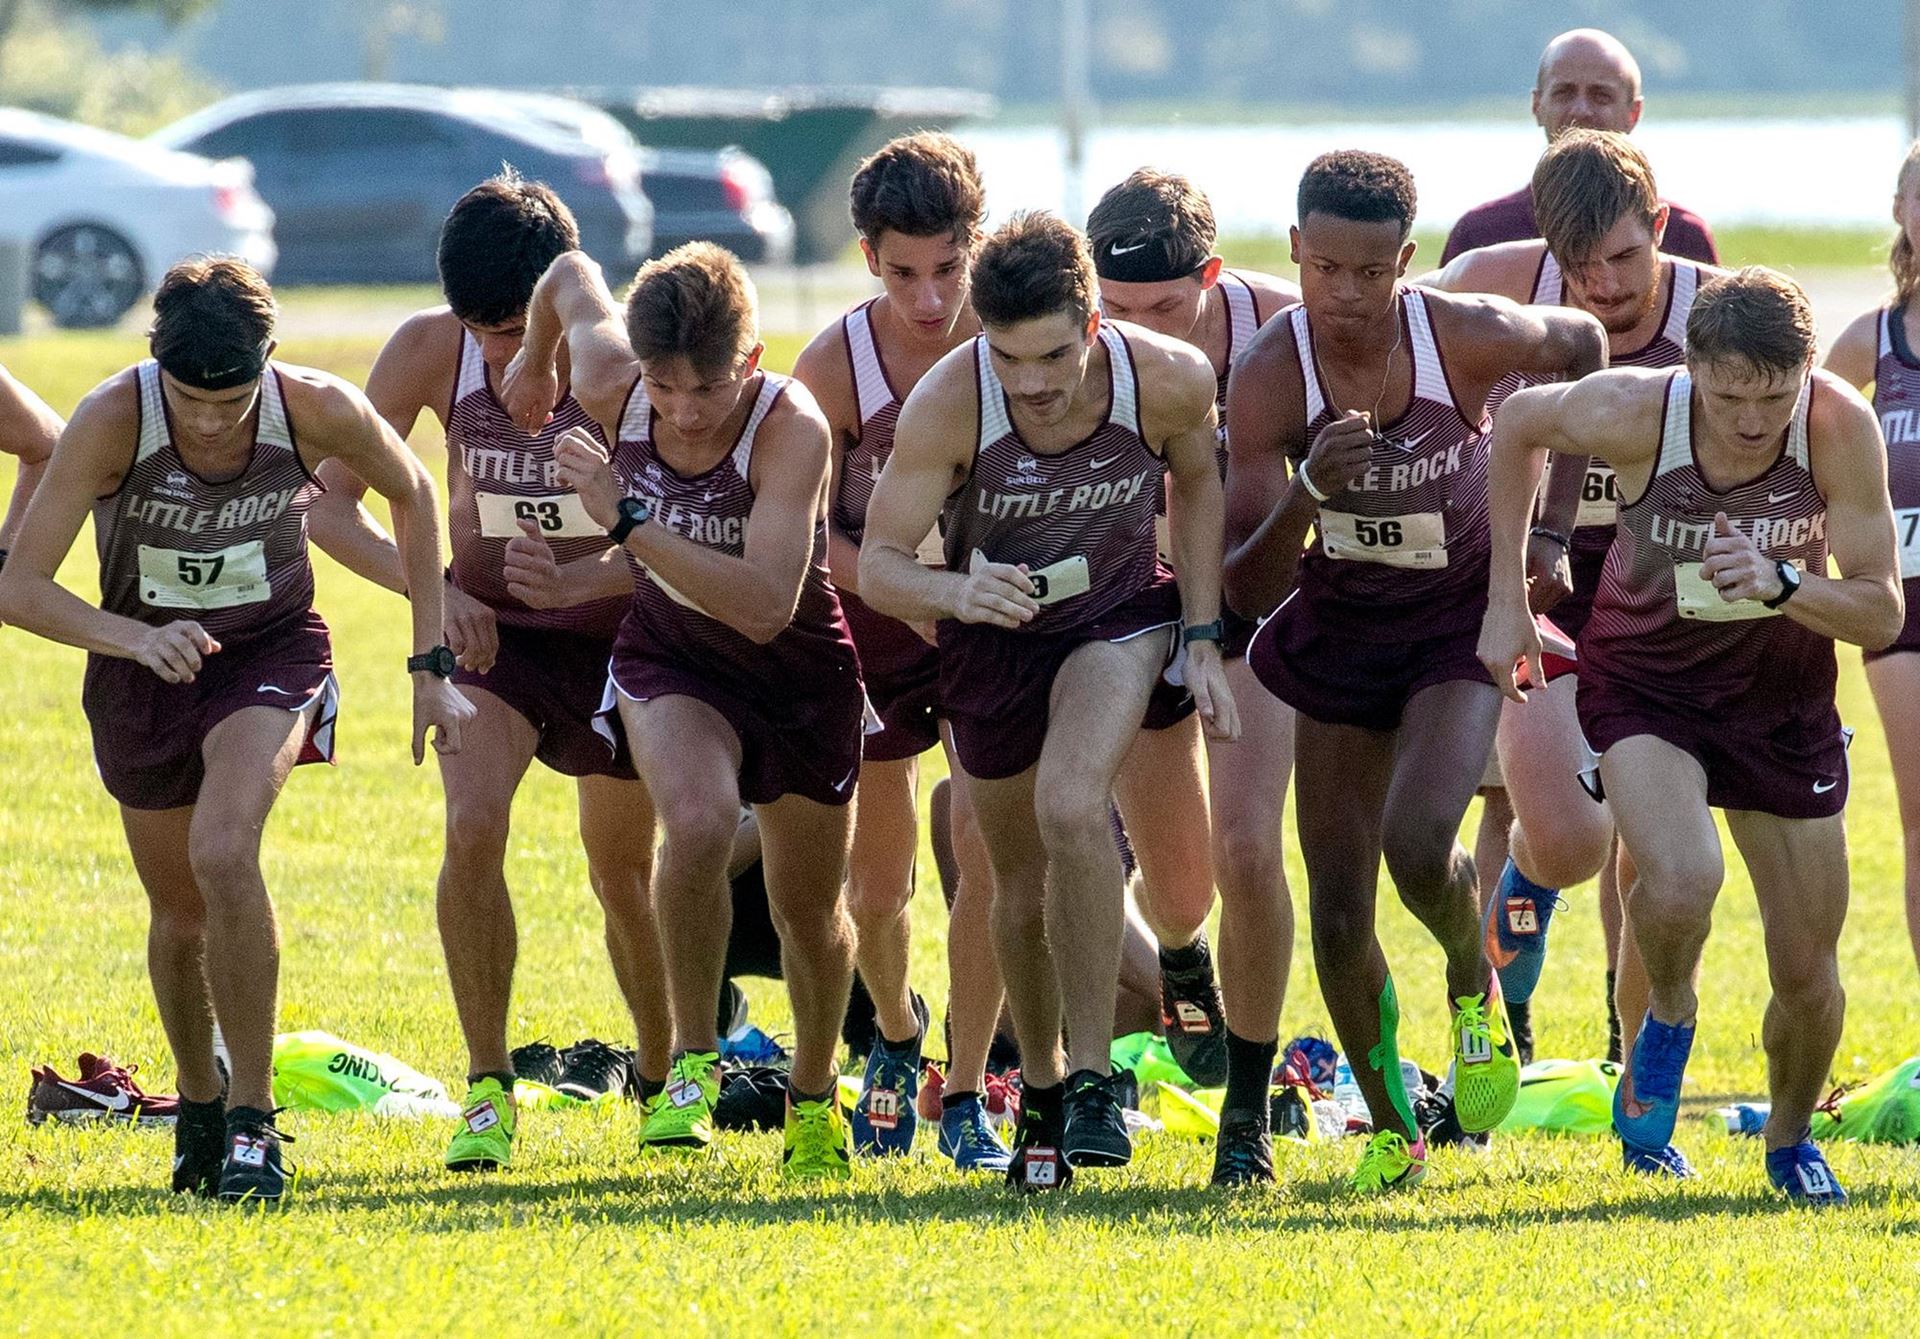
<point x="1587" y="78"/>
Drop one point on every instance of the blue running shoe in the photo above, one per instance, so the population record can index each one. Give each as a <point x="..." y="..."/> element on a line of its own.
<point x="884" y="1118"/>
<point x="968" y="1137"/>
<point x="1801" y="1170"/>
<point x="748" y="1045"/>
<point x="1647" y="1103"/>
<point x="1515" y="930"/>
<point x="1663" y="1161"/>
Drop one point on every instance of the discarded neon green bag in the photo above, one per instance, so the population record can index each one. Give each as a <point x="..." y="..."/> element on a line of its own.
<point x="1885" y="1110"/>
<point x="1146" y="1054"/>
<point x="1568" y="1096"/>
<point x="317" y="1071"/>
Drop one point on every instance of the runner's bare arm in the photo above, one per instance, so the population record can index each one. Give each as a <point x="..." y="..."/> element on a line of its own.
<point x="28" y="430"/>
<point x="89" y="462"/>
<point x="1863" y="605"/>
<point x="1507" y="270"/>
<point x="822" y="368"/>
<point x="1855" y="355"/>
<point x="1615" y="417"/>
<point x="933" y="445"/>
<point x="756" y="593"/>
<point x="571" y="302"/>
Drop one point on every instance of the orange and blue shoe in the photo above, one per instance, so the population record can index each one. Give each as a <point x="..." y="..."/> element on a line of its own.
<point x="1514" y="928"/>
<point x="1646" y="1105"/>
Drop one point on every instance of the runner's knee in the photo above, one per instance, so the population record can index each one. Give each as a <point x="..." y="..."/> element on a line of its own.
<point x="226" y="866"/>
<point x="1070" y="815"/>
<point x="1419" y="854"/>
<point x="476" y="833"/>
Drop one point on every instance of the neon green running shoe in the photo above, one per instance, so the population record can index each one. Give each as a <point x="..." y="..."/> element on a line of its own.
<point x="485" y="1141"/>
<point x="682" y="1115"/>
<point x="1486" y="1067"/>
<point x="819" y="1142"/>
<point x="1389" y="1163"/>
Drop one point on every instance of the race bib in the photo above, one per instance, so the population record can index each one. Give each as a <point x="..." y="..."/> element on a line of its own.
<point x="1697" y="599"/>
<point x="933" y="549"/>
<point x="1599" y="497"/>
<point x="173" y="579"/>
<point x="560" y="516"/>
<point x="1053" y="583"/>
<point x="1906" y="535"/>
<point x="1415" y="540"/>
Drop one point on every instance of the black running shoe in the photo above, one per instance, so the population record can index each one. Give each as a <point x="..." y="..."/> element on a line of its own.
<point x="253" y="1171"/>
<point x="753" y="1097"/>
<point x="591" y="1069"/>
<point x="1192" y="1018"/>
<point x="536" y="1062"/>
<point x="1243" y="1151"/>
<point x="1440" y="1124"/>
<point x="1038" y="1164"/>
<point x="1520" y="1028"/>
<point x="1096" y="1131"/>
<point x="732" y="1015"/>
<point x="199" y="1147"/>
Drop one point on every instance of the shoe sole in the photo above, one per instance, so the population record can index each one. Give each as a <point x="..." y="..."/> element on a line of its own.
<point x="1095" y="1157"/>
<point x="83" y="1116"/>
<point x="475" y="1165"/>
<point x="677" y="1144"/>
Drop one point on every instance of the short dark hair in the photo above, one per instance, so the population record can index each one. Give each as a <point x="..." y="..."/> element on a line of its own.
<point x="1033" y="265"/>
<point x="1755" y="315"/>
<point x="696" y="302"/>
<point x="924" y="185"/>
<point x="1151" y="206"/>
<point x="1587" y="181"/>
<point x="499" y="238"/>
<point x="211" y="314"/>
<point x="1357" y="185"/>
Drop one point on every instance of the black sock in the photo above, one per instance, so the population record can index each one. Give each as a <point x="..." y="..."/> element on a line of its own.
<point x="1249" y="1074"/>
<point x="203" y="1110"/>
<point x="247" y="1118"/>
<point x="1613" y="1019"/>
<point x="1041" y="1109"/>
<point x="956" y="1099"/>
<point x="507" y="1078"/>
<point x="1190" y="958"/>
<point x="795" y="1096"/>
<point x="648" y="1088"/>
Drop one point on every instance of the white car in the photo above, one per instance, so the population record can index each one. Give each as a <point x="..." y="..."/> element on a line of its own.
<point x="102" y="216"/>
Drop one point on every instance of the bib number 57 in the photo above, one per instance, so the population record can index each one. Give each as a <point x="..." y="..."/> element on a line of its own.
<point x="201" y="571"/>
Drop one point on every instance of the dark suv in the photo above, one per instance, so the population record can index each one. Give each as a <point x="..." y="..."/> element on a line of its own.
<point x="361" y="176"/>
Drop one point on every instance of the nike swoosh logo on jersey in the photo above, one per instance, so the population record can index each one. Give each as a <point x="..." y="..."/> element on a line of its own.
<point x="1822" y="787"/>
<point x="1775" y="499"/>
<point x="117" y="1102"/>
<point x="1101" y="464"/>
<point x="1412" y="442"/>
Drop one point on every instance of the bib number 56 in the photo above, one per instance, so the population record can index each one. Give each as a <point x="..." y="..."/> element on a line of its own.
<point x="1378" y="534"/>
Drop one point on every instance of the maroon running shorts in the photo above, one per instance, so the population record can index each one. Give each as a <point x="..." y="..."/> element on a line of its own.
<point x="902" y="675"/>
<point x="555" y="680"/>
<point x="1341" y="680"/>
<point x="797" y="739"/>
<point x="997" y="683"/>
<point x="148" y="733"/>
<point x="1788" y="759"/>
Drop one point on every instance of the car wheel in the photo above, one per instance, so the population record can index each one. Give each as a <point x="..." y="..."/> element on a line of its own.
<point x="86" y="276"/>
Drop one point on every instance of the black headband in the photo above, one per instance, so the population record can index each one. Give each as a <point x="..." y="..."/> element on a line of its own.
<point x="202" y="378"/>
<point x="1150" y="259"/>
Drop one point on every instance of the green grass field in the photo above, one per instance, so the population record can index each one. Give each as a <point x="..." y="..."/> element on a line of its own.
<point x="1542" y="1232"/>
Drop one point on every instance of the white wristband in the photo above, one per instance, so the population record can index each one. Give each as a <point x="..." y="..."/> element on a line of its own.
<point x="1306" y="483"/>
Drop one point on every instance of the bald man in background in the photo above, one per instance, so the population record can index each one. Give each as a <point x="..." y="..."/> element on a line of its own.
<point x="1587" y="78"/>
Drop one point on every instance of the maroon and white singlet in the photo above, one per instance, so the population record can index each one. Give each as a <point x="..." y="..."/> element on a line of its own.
<point x="796" y="702"/>
<point x="1390" y="593"/>
<point x="1082" y="522"/>
<point x="228" y="555"/>
<point x="901" y="671"/>
<point x="1745" y="689"/>
<point x="497" y="476"/>
<point x="1896" y="399"/>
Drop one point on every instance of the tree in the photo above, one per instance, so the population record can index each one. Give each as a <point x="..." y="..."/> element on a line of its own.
<point x="173" y="11"/>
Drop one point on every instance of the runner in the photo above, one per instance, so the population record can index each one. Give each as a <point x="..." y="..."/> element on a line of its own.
<point x="1602" y="220"/>
<point x="1043" y="441"/>
<point x="209" y="675"/>
<point x="1707" y="670"/>
<point x="1587" y="78"/>
<point x="916" y="205"/>
<point x="1152" y="237"/>
<point x="1879" y="347"/>
<point x="28" y="430"/>
<point x="534" y="597"/>
<point x="733" y="676"/>
<point x="1361" y="415"/>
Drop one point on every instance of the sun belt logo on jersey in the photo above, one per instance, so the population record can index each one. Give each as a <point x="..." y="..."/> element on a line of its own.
<point x="653" y="469"/>
<point x="1026" y="470"/>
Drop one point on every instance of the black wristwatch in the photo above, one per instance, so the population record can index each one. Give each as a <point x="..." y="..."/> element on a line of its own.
<point x="1215" y="632"/>
<point x="633" y="512"/>
<point x="1789" y="583"/>
<point x="437" y="661"/>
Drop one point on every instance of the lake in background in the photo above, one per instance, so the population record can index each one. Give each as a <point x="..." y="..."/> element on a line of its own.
<point x="1834" y="172"/>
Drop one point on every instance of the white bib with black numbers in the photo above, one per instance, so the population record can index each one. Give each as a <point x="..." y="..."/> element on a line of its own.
<point x="1415" y="540"/>
<point x="1599" y="497"/>
<point x="1697" y="599"/>
<point x="1906" y="536"/>
<point x="560" y="516"/>
<point x="176" y="579"/>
